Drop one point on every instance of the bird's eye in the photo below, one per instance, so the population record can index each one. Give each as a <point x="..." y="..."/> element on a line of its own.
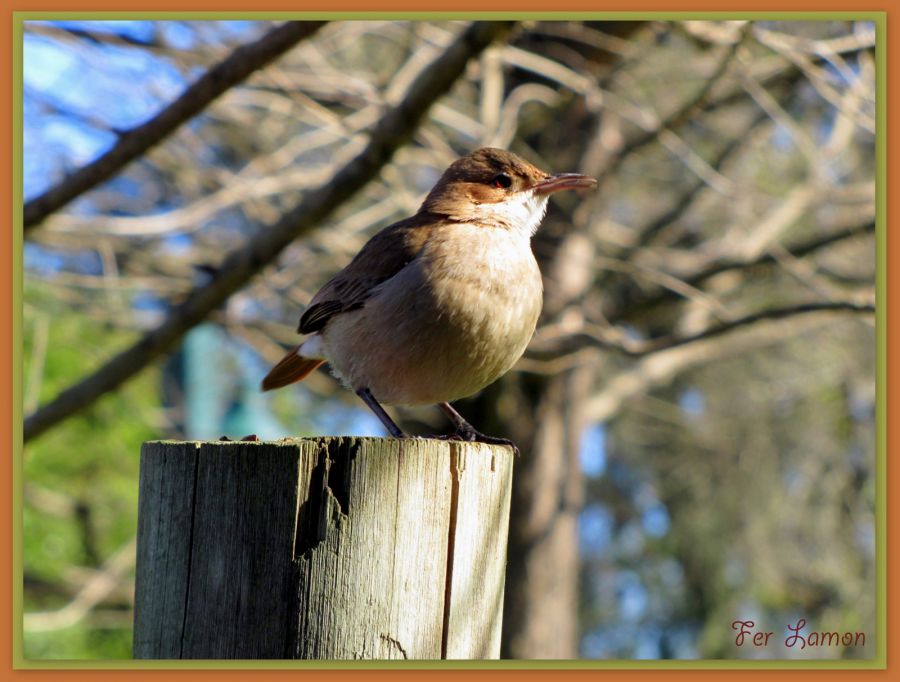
<point x="501" y="181"/>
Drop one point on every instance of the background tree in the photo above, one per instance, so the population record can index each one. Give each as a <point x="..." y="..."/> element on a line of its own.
<point x="696" y="410"/>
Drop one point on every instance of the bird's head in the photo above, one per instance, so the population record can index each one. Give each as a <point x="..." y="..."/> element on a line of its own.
<point x="496" y="187"/>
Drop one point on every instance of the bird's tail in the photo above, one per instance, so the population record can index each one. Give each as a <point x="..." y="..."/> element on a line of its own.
<point x="291" y="368"/>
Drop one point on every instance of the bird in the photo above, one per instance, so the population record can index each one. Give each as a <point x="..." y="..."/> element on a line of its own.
<point x="439" y="305"/>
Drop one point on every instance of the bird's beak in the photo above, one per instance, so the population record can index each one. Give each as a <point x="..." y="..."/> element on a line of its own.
<point x="561" y="181"/>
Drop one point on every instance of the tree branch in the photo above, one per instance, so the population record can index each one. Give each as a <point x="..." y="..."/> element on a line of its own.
<point x="572" y="343"/>
<point x="796" y="250"/>
<point x="95" y="590"/>
<point x="132" y="143"/>
<point x="697" y="102"/>
<point x="660" y="368"/>
<point x="392" y="131"/>
<point x="666" y="342"/>
<point x="686" y="200"/>
<point x="693" y="104"/>
<point x="632" y="305"/>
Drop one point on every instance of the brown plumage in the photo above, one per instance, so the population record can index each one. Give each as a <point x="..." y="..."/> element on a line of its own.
<point x="290" y="369"/>
<point x="382" y="257"/>
<point x="436" y="306"/>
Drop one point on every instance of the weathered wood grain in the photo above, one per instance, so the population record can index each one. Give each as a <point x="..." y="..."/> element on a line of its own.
<point x="165" y="513"/>
<point x="327" y="548"/>
<point x="482" y="477"/>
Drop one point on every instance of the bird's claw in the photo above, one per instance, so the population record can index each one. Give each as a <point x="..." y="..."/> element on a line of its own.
<point x="472" y="436"/>
<point x="447" y="436"/>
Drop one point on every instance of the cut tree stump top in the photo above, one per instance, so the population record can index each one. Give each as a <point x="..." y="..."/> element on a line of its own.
<point x="322" y="548"/>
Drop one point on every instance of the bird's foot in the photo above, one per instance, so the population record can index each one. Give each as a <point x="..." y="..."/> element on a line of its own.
<point x="446" y="436"/>
<point x="467" y="436"/>
<point x="471" y="435"/>
<point x="466" y="432"/>
<point x="252" y="438"/>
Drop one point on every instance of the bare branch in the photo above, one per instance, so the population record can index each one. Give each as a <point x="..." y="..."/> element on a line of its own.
<point x="393" y="130"/>
<point x="681" y="115"/>
<point x="680" y="206"/>
<point x="697" y="102"/>
<point x="706" y="272"/>
<point x="664" y="343"/>
<point x="660" y="368"/>
<point x="95" y="590"/>
<point x="610" y="339"/>
<point x="132" y="143"/>
<point x="94" y="37"/>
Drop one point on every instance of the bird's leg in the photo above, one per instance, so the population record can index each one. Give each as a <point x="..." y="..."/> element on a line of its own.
<point x="383" y="417"/>
<point x="465" y="431"/>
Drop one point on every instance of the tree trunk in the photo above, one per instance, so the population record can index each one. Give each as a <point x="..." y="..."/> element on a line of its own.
<point x="540" y="617"/>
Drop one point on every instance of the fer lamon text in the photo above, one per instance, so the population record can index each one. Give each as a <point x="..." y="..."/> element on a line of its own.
<point x="798" y="636"/>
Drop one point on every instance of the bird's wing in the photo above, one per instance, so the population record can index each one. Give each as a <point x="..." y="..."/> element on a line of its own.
<point x="382" y="257"/>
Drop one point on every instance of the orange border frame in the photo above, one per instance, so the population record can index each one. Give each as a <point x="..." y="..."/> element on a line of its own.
<point x="891" y="376"/>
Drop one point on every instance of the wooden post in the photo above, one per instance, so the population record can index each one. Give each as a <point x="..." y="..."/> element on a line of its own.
<point x="321" y="548"/>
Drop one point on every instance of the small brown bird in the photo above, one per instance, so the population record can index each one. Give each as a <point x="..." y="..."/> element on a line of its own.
<point x="437" y="306"/>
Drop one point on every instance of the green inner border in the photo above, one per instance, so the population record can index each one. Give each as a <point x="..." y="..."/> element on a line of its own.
<point x="18" y="321"/>
<point x="878" y="662"/>
<point x="438" y="15"/>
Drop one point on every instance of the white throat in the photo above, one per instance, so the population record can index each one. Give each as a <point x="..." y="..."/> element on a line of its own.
<point x="523" y="213"/>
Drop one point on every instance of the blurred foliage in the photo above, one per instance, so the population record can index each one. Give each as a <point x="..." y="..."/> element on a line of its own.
<point x="89" y="465"/>
<point x="757" y="504"/>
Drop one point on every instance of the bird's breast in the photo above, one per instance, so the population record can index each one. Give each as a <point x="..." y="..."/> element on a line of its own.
<point x="486" y="289"/>
<point x="448" y="325"/>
